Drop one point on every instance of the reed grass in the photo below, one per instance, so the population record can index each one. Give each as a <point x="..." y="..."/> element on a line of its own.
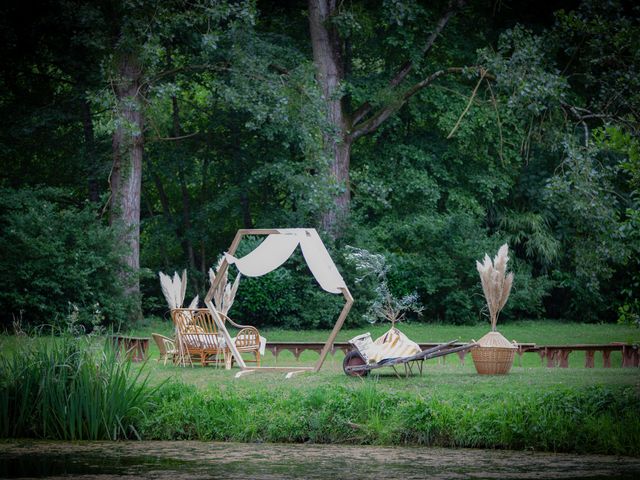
<point x="65" y="389"/>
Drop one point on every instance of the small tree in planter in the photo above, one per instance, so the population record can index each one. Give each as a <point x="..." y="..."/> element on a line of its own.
<point x="494" y="354"/>
<point x="385" y="306"/>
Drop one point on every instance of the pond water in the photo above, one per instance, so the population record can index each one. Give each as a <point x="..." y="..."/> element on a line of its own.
<point x="199" y="460"/>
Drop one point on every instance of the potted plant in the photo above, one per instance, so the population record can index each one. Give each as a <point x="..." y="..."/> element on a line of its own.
<point x="494" y="353"/>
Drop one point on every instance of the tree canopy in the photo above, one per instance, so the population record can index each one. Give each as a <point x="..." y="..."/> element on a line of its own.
<point x="427" y="132"/>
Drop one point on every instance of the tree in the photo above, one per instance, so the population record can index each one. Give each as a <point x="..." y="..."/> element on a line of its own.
<point x="348" y="123"/>
<point x="126" y="176"/>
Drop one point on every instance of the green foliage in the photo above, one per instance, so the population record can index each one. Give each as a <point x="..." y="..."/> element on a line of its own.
<point x="544" y="158"/>
<point x="58" y="263"/>
<point x="68" y="390"/>
<point x="581" y="196"/>
<point x="593" y="420"/>
<point x="288" y="297"/>
<point x="373" y="268"/>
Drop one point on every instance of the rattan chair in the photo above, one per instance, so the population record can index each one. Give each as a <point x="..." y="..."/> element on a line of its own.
<point x="198" y="336"/>
<point x="247" y="340"/>
<point x="166" y="346"/>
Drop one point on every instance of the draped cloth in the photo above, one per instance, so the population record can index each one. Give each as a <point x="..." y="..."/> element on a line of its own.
<point x="393" y="344"/>
<point x="277" y="248"/>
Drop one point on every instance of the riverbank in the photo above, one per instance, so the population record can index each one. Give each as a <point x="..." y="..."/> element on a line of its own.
<point x="592" y="419"/>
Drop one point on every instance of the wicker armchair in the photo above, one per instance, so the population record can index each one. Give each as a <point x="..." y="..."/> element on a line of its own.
<point x="247" y="340"/>
<point x="198" y="335"/>
<point x="166" y="346"/>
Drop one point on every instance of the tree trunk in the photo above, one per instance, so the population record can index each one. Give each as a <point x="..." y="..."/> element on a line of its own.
<point x="126" y="176"/>
<point x="187" y="245"/>
<point x="334" y="220"/>
<point x="327" y="55"/>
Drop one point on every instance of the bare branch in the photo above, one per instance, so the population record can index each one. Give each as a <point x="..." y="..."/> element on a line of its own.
<point x="483" y="72"/>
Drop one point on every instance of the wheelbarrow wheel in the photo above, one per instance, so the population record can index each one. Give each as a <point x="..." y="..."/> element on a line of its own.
<point x="354" y="359"/>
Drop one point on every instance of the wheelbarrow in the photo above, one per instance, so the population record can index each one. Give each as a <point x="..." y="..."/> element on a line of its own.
<point x="355" y="365"/>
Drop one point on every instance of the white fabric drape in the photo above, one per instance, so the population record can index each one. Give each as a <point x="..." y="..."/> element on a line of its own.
<point x="320" y="262"/>
<point x="269" y="255"/>
<point x="277" y="248"/>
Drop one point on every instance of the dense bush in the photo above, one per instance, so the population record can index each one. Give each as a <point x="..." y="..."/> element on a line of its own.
<point x="58" y="262"/>
<point x="288" y="297"/>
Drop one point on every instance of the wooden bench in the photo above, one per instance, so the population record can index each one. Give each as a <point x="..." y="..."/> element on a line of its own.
<point x="558" y="355"/>
<point x="555" y="355"/>
<point x="298" y="347"/>
<point x="135" y="348"/>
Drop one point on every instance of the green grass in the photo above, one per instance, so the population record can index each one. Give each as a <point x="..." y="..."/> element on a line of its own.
<point x="576" y="409"/>
<point x="534" y="407"/>
<point x="594" y="419"/>
<point x="442" y="372"/>
<point x="526" y="331"/>
<point x="68" y="389"/>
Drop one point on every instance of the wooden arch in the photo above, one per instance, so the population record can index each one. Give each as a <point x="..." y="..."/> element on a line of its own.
<point x="221" y="326"/>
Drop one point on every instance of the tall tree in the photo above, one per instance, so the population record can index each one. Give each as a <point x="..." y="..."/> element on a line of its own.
<point x="349" y="123"/>
<point x="126" y="176"/>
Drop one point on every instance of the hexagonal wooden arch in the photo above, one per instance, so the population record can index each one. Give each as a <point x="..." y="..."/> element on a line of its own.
<point x="222" y="328"/>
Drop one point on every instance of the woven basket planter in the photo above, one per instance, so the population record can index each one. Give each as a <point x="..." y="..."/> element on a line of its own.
<point x="493" y="355"/>
<point x="492" y="360"/>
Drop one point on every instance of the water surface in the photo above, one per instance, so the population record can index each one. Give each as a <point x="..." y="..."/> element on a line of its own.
<point x="200" y="460"/>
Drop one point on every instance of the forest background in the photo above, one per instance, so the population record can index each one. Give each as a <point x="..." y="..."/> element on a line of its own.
<point x="138" y="136"/>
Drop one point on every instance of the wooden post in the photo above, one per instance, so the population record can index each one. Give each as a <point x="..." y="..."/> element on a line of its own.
<point x="588" y="359"/>
<point x="334" y="333"/>
<point x="564" y="358"/>
<point x="543" y="353"/>
<point x="629" y="356"/>
<point x="606" y="360"/>
<point x="551" y="357"/>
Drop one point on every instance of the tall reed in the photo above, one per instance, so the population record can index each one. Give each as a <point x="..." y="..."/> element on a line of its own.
<point x="67" y="389"/>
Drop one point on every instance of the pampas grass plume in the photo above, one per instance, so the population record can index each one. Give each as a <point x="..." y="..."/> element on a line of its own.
<point x="496" y="283"/>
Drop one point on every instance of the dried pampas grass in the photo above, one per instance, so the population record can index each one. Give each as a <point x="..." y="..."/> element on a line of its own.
<point x="174" y="289"/>
<point x="225" y="293"/>
<point x="496" y="283"/>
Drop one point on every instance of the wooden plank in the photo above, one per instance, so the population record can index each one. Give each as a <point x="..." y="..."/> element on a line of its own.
<point x="588" y="359"/>
<point x="256" y="231"/>
<point x="612" y="347"/>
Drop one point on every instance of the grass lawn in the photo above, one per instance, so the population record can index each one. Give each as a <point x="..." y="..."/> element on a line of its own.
<point x="445" y="375"/>
<point x="543" y="332"/>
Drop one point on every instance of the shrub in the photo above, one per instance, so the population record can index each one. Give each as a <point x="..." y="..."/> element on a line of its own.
<point x="57" y="261"/>
<point x="590" y="420"/>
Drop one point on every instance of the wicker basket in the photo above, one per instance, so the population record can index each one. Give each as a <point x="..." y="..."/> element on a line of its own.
<point x="492" y="360"/>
